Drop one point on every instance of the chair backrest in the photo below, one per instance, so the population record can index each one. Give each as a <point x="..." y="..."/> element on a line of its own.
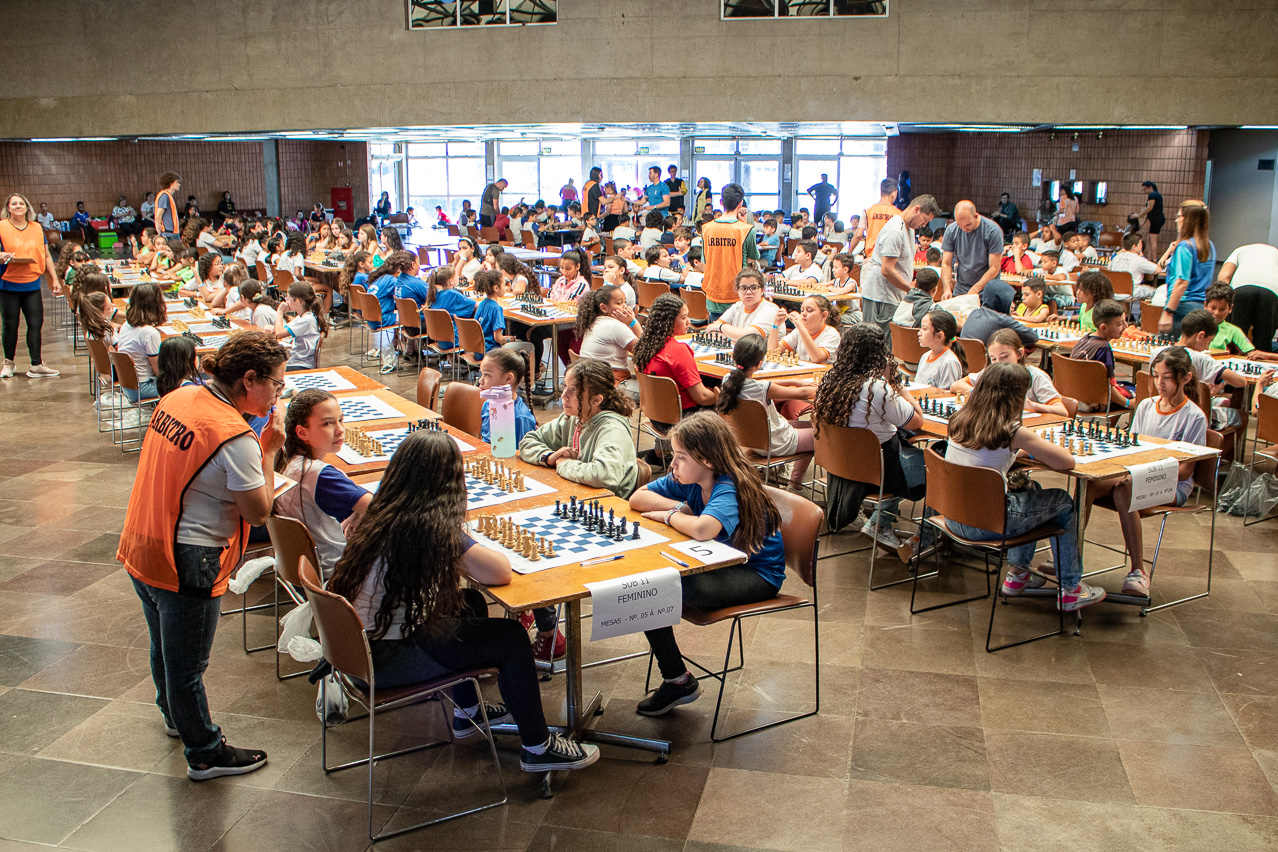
<point x="341" y="633"/>
<point x="408" y="314"/>
<point x="462" y="408"/>
<point x="696" y="301"/>
<point x="849" y="452"/>
<point x="100" y="356"/>
<point x="125" y="373"/>
<point x="973" y="353"/>
<point x="292" y="542"/>
<point x="800" y="531"/>
<point x="371" y="309"/>
<point x="202" y="250"/>
<point x="489" y="234"/>
<point x="1121" y="281"/>
<point x="1110" y="239"/>
<point x="905" y="343"/>
<point x="1071" y="406"/>
<point x="608" y="250"/>
<point x="470" y="335"/>
<point x="659" y="398"/>
<point x="527" y="237"/>
<point x="283" y="279"/>
<point x="975" y="496"/>
<point x="1150" y="314"/>
<point x="1143" y="387"/>
<point x="439" y="325"/>
<point x="1086" y="381"/>
<point x="423" y="255"/>
<point x="646" y="292"/>
<point x="453" y="230"/>
<point x="1267" y="418"/>
<point x="428" y="387"/>
<point x="749" y="423"/>
<point x="261" y="272"/>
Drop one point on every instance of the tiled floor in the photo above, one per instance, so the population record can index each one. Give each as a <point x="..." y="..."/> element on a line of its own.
<point x="1158" y="733"/>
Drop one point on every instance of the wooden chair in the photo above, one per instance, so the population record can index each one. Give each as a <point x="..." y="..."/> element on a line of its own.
<point x="292" y="543"/>
<point x="126" y="376"/>
<point x="100" y="360"/>
<point x="462" y="408"/>
<point x="356" y="298"/>
<point x="440" y="330"/>
<point x="410" y="327"/>
<point x="646" y="292"/>
<point x="906" y="346"/>
<point x="489" y="234"/>
<point x="1121" y="282"/>
<point x="371" y="311"/>
<point x="973" y="353"/>
<point x="428" y="387"/>
<point x="453" y="230"/>
<point x="1205" y="477"/>
<point x="423" y="255"/>
<point x="346" y="648"/>
<point x="749" y="423"/>
<point x="1110" y="239"/>
<point x="471" y="343"/>
<point x="854" y="454"/>
<point x="800" y="528"/>
<point x="659" y="402"/>
<point x="283" y="279"/>
<point x="1267" y="431"/>
<point x="262" y="275"/>
<point x="1150" y="314"/>
<point x="976" y="496"/>
<point x="698" y="312"/>
<point x="1087" y="382"/>
<point x="527" y="237"/>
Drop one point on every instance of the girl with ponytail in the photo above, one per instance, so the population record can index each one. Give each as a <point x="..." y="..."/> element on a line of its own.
<point x="306" y="328"/>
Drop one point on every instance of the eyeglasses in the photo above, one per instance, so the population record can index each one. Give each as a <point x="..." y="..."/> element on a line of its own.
<point x="748" y="288"/>
<point x="280" y="385"/>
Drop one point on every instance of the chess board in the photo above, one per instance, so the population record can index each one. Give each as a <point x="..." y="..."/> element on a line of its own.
<point x="357" y="409"/>
<point x="1056" y="335"/>
<point x="573" y="542"/>
<point x="481" y="495"/>
<point x="1101" y="450"/>
<point x="213" y="341"/>
<point x="937" y="418"/>
<point x="1250" y="369"/>
<point x="196" y="327"/>
<point x="770" y="368"/>
<point x="552" y="312"/>
<point x="390" y="440"/>
<point x="700" y="349"/>
<point x="329" y="380"/>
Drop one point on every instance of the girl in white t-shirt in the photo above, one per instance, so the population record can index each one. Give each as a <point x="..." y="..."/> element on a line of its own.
<point x="515" y="274"/>
<point x="940" y="367"/>
<point x="815" y="336"/>
<point x="1005" y="347"/>
<point x="864" y="389"/>
<point x="785" y="437"/>
<point x="608" y="329"/>
<point x="306" y="328"/>
<point x="139" y="338"/>
<point x="617" y="273"/>
<point x="225" y="301"/>
<point x="751" y="313"/>
<point x="466" y="262"/>
<point x="1170" y="415"/>
<point x="255" y="306"/>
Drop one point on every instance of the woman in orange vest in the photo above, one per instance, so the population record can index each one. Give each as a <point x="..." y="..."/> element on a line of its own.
<point x="202" y="480"/>
<point x="24" y="260"/>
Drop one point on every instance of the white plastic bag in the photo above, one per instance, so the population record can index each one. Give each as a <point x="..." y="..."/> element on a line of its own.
<point x="330" y="702"/>
<point x="249" y="572"/>
<point x="295" y="635"/>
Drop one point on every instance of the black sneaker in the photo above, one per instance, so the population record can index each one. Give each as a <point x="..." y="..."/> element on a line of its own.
<point x="669" y="696"/>
<point x="497" y="715"/>
<point x="562" y="753"/>
<point x="229" y="761"/>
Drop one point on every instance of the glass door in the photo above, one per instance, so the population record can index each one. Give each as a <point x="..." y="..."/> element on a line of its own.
<point x="755" y="164"/>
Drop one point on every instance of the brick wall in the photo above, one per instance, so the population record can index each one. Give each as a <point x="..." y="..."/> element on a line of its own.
<point x="60" y="174"/>
<point x="981" y="166"/>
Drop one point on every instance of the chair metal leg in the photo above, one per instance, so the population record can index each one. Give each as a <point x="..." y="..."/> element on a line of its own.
<point x="1211" y="554"/>
<point x="936" y="556"/>
<point x="1060" y="613"/>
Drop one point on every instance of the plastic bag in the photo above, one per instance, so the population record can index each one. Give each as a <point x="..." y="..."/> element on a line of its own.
<point x="1256" y="495"/>
<point x="330" y="702"/>
<point x="295" y="636"/>
<point x="249" y="572"/>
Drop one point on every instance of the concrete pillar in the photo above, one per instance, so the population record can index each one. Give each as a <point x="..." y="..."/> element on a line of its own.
<point x="787" y="174"/>
<point x="271" y="175"/>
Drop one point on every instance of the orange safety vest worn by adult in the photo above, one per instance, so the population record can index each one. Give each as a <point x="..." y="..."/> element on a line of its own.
<point x="876" y="216"/>
<point x="25" y="242"/>
<point x="160" y="210"/>
<point x="585" y="198"/>
<point x="724" y="248"/>
<point x="188" y="428"/>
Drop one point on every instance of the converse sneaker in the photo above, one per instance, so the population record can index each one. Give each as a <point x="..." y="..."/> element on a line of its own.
<point x="527" y="619"/>
<point x="551" y="646"/>
<point x="911" y="546"/>
<point x="42" y="371"/>
<point x="1136" y="583"/>
<point x="169" y="730"/>
<point x="1083" y="595"/>
<point x="464" y="729"/>
<point x="1020" y="579"/>
<point x="883" y="535"/>
<point x="669" y="696"/>
<point x="6" y="372"/>
<point x="228" y="761"/>
<point x="559" y="753"/>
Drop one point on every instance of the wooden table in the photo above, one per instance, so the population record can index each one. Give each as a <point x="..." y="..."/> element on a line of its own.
<point x="719" y="371"/>
<point x="935" y="429"/>
<point x="511" y="312"/>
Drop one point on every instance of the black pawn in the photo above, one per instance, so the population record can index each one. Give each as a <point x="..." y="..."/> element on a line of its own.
<point x="635" y="535"/>
<point x="559" y="512"/>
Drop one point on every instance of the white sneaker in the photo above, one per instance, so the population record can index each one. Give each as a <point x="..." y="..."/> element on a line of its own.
<point x="42" y="371"/>
<point x="6" y="372"/>
<point x="883" y="535"/>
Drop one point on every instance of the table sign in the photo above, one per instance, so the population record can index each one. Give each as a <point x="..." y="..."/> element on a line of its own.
<point x="1153" y="483"/>
<point x="636" y="603"/>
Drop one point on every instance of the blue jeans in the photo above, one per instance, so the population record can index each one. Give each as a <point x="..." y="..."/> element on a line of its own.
<point x="182" y="629"/>
<point x="1182" y="309"/>
<point x="146" y="390"/>
<point x="1027" y="510"/>
<point x="915" y="469"/>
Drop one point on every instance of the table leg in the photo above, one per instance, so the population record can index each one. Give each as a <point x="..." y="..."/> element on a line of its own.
<point x="554" y="366"/>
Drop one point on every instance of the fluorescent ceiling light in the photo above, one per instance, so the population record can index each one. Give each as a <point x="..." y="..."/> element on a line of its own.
<point x="1259" y="127"/>
<point x="56" y="139"/>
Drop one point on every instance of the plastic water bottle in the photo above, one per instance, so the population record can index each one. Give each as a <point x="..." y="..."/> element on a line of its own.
<point x="501" y="421"/>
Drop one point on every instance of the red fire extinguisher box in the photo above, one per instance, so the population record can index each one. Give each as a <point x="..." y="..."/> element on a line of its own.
<point x="343" y="202"/>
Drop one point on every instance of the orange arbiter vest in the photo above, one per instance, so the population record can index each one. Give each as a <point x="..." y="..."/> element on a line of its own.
<point x="188" y="428"/>
<point x="876" y="216"/>
<point x="723" y="250"/>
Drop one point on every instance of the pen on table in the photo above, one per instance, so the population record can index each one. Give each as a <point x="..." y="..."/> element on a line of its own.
<point x="604" y="559"/>
<point x="672" y="559"/>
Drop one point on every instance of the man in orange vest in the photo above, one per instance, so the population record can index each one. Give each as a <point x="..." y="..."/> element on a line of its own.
<point x="166" y="209"/>
<point x="727" y="244"/>
<point x="876" y="216"/>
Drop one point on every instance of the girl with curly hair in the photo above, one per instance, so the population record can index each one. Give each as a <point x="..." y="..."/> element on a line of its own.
<point x="660" y="353"/>
<point x="402" y="570"/>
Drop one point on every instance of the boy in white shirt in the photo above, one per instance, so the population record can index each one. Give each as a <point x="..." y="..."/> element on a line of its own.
<point x="659" y="268"/>
<point x="1132" y="260"/>
<point x="696" y="268"/>
<point x="805" y="266"/>
<point x="1059" y="290"/>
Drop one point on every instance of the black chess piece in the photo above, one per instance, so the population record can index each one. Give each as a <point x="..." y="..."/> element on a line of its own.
<point x="1135" y="439"/>
<point x="558" y="510"/>
<point x="634" y="536"/>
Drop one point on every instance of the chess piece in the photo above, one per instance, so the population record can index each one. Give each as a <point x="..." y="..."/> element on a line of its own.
<point x="634" y="536"/>
<point x="558" y="511"/>
<point x="550" y="548"/>
<point x="519" y="482"/>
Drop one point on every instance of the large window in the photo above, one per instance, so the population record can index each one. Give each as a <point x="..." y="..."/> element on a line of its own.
<point x="384" y="164"/>
<point x="753" y="163"/>
<point x="430" y="14"/>
<point x="625" y="162"/>
<point x="443" y="174"/>
<point x="538" y="168"/>
<point x="736" y="9"/>
<point x="855" y="165"/>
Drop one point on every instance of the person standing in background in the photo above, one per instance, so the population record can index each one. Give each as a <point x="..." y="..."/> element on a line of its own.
<point x="976" y="244"/>
<point x="823" y="197"/>
<point x="1153" y="217"/>
<point x="888" y="274"/>
<point x="903" y="191"/>
<point x="1253" y="273"/>
<point x="704" y="199"/>
<point x="727" y="244"/>
<point x="876" y="216"/>
<point x="567" y="194"/>
<point x="166" y="209"/>
<point x="22" y="239"/>
<point x="1067" y="211"/>
<point x="592" y="192"/>
<point x="678" y="192"/>
<point x="489" y="203"/>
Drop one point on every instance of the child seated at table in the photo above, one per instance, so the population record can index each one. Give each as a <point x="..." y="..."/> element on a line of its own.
<point x="1197" y="330"/>
<point x="1110" y="320"/>
<point x="1093" y="286"/>
<point x="769" y="244"/>
<point x="987" y="432"/>
<point x="1017" y="259"/>
<point x="1005" y="348"/>
<point x="1059" y="290"/>
<point x="1171" y="415"/>
<point x="917" y="301"/>
<point x="939" y="366"/>
<point x="815" y="336"/>
<point x="805" y="267"/>
<point x="306" y="328"/>
<point x="1033" y="308"/>
<point x="711" y="493"/>
<point x="750" y="313"/>
<point x="1132" y="260"/>
<point x="1220" y="303"/>
<point x="658" y="258"/>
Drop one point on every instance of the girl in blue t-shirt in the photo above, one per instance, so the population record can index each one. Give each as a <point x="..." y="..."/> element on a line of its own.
<point x="440" y="295"/>
<point x="711" y="492"/>
<point x="489" y="313"/>
<point x="1191" y="269"/>
<point x="356" y="271"/>
<point x="382" y="285"/>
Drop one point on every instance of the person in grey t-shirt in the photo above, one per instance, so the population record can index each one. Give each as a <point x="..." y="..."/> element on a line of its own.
<point x="976" y="243"/>
<point x="490" y="201"/>
<point x="889" y="272"/>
